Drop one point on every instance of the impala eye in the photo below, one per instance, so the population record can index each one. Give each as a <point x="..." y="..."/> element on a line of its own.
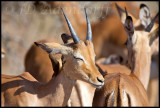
<point x="78" y="58"/>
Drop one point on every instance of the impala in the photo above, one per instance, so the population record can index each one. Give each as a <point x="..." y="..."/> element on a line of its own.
<point x="147" y="25"/>
<point x="148" y="77"/>
<point x="127" y="90"/>
<point x="38" y="64"/>
<point x="78" y="63"/>
<point x="123" y="69"/>
<point x="105" y="39"/>
<point x="82" y="93"/>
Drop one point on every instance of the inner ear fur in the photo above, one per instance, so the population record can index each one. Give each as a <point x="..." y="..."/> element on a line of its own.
<point x="144" y="15"/>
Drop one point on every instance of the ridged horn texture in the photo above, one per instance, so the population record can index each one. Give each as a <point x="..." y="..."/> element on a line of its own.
<point x="89" y="30"/>
<point x="149" y="27"/>
<point x="72" y="31"/>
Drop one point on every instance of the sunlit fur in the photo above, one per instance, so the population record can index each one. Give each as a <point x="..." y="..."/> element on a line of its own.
<point x="24" y="90"/>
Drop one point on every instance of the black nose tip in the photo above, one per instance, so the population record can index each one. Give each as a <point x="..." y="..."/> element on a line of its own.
<point x="100" y="80"/>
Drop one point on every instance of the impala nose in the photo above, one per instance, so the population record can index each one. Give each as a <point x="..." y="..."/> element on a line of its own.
<point x="101" y="81"/>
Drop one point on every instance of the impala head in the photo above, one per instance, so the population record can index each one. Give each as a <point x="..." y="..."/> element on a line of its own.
<point x="144" y="20"/>
<point x="140" y="41"/>
<point x="78" y="56"/>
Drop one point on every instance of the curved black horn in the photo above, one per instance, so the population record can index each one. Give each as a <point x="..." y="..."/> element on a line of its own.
<point x="73" y="33"/>
<point x="89" y="30"/>
<point x="149" y="27"/>
<point x="126" y="12"/>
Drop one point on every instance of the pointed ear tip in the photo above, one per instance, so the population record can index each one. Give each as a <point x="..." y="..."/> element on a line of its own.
<point x="63" y="34"/>
<point x="142" y="5"/>
<point x="129" y="18"/>
<point x="37" y="43"/>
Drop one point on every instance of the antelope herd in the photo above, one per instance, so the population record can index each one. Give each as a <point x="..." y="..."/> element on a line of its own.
<point x="75" y="74"/>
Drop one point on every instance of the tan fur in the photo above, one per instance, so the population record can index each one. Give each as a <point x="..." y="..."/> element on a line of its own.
<point x="114" y="93"/>
<point x="33" y="63"/>
<point x="120" y="90"/>
<point x="24" y="90"/>
<point x="75" y="95"/>
<point x="115" y="68"/>
<point x="102" y="24"/>
<point x="104" y="35"/>
<point x="142" y="53"/>
<point x="89" y="96"/>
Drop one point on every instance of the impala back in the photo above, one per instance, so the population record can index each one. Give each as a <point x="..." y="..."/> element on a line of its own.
<point x="120" y="90"/>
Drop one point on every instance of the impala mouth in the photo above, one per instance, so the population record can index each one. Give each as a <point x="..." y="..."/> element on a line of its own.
<point x="97" y="85"/>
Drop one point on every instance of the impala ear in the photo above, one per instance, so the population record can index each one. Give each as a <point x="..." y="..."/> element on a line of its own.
<point x="129" y="28"/>
<point x="144" y="15"/>
<point x="54" y="48"/>
<point x="66" y="38"/>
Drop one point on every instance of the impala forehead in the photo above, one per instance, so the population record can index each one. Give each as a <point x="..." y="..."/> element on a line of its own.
<point x="140" y="41"/>
<point x="140" y="36"/>
<point x="84" y="52"/>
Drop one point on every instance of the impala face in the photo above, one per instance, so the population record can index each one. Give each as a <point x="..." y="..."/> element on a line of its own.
<point x="78" y="57"/>
<point x="140" y="42"/>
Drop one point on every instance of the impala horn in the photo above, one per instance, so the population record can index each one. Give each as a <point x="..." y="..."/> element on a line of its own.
<point x="73" y="33"/>
<point x="149" y="27"/>
<point x="119" y="9"/>
<point x="126" y="12"/>
<point x="89" y="30"/>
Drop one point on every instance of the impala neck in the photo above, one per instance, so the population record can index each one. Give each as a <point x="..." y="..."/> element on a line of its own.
<point x="57" y="91"/>
<point x="140" y="62"/>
